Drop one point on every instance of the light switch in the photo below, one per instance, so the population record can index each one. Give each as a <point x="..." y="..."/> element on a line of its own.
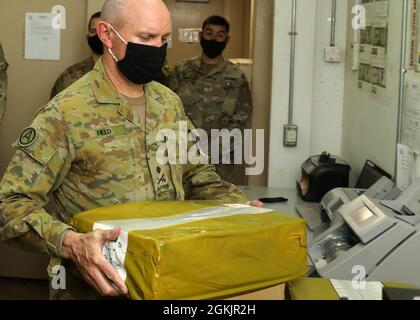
<point x="332" y="54"/>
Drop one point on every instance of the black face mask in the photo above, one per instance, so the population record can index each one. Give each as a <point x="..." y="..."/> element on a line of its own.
<point x="141" y="64"/>
<point x="213" y="48"/>
<point x="96" y="45"/>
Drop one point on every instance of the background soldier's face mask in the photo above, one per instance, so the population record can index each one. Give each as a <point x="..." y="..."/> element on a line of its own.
<point x="213" y="48"/>
<point x="96" y="45"/>
<point x="141" y="63"/>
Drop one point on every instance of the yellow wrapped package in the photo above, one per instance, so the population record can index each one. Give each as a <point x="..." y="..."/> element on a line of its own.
<point x="199" y="250"/>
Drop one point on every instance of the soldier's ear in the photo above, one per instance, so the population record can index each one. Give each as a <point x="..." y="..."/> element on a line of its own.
<point x="200" y="35"/>
<point x="227" y="39"/>
<point x="104" y="33"/>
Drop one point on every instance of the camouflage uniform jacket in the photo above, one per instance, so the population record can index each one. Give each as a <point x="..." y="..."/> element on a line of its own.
<point x="220" y="99"/>
<point x="84" y="150"/>
<point x="3" y="83"/>
<point x="71" y="75"/>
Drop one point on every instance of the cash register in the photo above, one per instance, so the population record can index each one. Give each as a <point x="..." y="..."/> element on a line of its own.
<point x="373" y="181"/>
<point x="371" y="239"/>
<point x="383" y="189"/>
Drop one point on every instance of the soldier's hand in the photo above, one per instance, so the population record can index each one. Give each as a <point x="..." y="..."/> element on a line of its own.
<point x="85" y="250"/>
<point x="256" y="203"/>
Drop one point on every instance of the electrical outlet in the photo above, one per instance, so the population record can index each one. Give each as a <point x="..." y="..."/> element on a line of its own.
<point x="332" y="54"/>
<point x="290" y="136"/>
<point x="190" y="35"/>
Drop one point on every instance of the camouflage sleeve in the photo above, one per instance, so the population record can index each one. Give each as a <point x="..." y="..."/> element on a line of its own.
<point x="40" y="164"/>
<point x="201" y="182"/>
<point x="243" y="109"/>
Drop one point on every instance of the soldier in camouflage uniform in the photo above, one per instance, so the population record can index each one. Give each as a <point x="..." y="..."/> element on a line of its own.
<point x="214" y="91"/>
<point x="75" y="72"/>
<point x="91" y="147"/>
<point x="3" y="83"/>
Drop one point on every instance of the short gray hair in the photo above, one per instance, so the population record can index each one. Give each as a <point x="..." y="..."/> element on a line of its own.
<point x="112" y="12"/>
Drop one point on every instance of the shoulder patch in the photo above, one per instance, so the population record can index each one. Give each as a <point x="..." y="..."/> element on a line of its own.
<point x="27" y="137"/>
<point x="35" y="144"/>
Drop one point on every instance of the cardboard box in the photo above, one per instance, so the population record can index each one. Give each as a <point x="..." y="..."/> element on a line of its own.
<point x="276" y="293"/>
<point x="196" y="250"/>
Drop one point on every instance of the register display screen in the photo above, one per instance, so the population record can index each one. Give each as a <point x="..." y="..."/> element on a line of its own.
<point x="362" y="215"/>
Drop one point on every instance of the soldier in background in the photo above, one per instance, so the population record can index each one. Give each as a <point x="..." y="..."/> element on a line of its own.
<point x="3" y="84"/>
<point x="214" y="91"/>
<point x="75" y="72"/>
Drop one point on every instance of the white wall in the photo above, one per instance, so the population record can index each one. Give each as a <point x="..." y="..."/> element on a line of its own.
<point x="318" y="88"/>
<point x="328" y="81"/>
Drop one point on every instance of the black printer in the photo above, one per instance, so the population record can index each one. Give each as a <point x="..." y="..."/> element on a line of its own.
<point x="321" y="174"/>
